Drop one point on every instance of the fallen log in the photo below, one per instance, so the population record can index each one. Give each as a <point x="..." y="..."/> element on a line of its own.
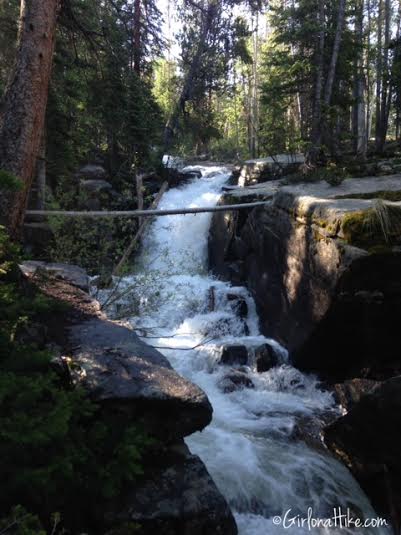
<point x="147" y="213"/>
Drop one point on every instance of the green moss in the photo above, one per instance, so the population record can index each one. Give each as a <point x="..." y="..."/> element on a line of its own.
<point x="378" y="226"/>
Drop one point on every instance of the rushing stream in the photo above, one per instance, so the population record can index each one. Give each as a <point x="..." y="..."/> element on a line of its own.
<point x="253" y="448"/>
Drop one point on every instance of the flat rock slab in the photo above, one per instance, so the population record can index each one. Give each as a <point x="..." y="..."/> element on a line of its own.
<point x="350" y="186"/>
<point x="119" y="369"/>
<point x="74" y="275"/>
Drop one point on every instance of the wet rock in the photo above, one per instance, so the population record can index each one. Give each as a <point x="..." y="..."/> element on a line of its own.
<point x="235" y="380"/>
<point x="348" y="393"/>
<point x="234" y="355"/>
<point x="179" y="498"/>
<point x="74" y="275"/>
<point x="265" y="358"/>
<point x="368" y="441"/>
<point x="239" y="304"/>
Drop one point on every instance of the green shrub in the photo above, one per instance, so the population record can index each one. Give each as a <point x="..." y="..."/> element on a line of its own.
<point x="9" y="182"/>
<point x="59" y="451"/>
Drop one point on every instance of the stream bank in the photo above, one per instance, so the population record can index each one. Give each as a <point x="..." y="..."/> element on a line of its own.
<point x="134" y="384"/>
<point x="325" y="278"/>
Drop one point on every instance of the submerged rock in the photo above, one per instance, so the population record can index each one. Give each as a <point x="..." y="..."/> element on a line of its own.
<point x="265" y="358"/>
<point x="368" y="441"/>
<point x="239" y="304"/>
<point x="234" y="355"/>
<point x="235" y="380"/>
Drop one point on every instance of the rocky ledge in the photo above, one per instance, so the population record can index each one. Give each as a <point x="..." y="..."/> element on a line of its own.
<point x="133" y="382"/>
<point x="323" y="264"/>
<point x="368" y="440"/>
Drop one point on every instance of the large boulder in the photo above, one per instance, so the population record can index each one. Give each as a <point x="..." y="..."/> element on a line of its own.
<point x="261" y="169"/>
<point x="368" y="441"/>
<point x="92" y="171"/>
<point x="126" y="375"/>
<point x="324" y="276"/>
<point x="179" y="498"/>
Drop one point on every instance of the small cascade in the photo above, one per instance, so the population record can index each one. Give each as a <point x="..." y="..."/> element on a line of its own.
<point x="263" y="447"/>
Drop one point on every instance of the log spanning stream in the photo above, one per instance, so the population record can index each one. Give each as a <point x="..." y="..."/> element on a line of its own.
<point x="254" y="448"/>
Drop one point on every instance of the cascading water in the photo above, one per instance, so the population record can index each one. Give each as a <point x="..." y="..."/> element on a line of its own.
<point x="251" y="447"/>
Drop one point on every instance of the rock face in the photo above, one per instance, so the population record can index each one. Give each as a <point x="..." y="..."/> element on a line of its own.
<point x="170" y="502"/>
<point x="368" y="441"/>
<point x="134" y="383"/>
<point x="326" y="288"/>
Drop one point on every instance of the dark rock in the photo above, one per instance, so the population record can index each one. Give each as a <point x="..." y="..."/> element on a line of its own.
<point x="92" y="172"/>
<point x="234" y="354"/>
<point x="368" y="441"/>
<point x="239" y="304"/>
<point x="235" y="380"/>
<point x="124" y="374"/>
<point x="265" y="358"/>
<point x="95" y="186"/>
<point x="180" y="498"/>
<point x="74" y="275"/>
<point x="347" y="394"/>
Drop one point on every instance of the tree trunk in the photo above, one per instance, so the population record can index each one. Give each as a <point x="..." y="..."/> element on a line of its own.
<point x="137" y="45"/>
<point x="189" y="81"/>
<point x="379" y="74"/>
<point x="386" y="91"/>
<point x="316" y="134"/>
<point x="24" y="104"/>
<point x="334" y="55"/>
<point x="359" y="87"/>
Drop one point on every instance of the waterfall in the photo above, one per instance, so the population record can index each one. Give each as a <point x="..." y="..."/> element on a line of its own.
<point x="254" y="447"/>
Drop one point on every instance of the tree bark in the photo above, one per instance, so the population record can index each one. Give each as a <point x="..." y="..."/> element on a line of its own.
<point x="359" y="87"/>
<point x="385" y="85"/>
<point x="334" y="55"/>
<point x="316" y="133"/>
<point x="379" y="74"/>
<point x="24" y="104"/>
<point x="137" y="45"/>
